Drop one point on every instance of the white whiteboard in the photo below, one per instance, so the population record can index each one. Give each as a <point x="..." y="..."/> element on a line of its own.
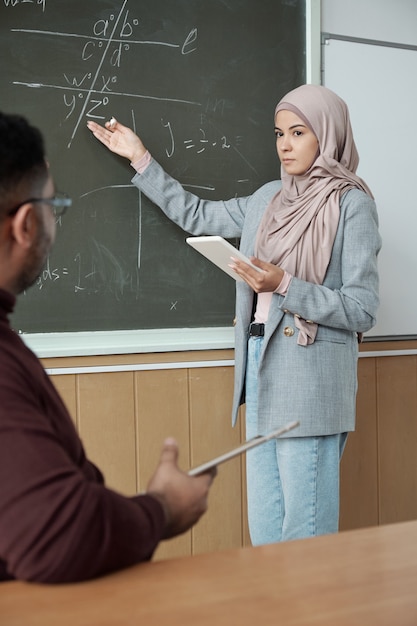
<point x="379" y="85"/>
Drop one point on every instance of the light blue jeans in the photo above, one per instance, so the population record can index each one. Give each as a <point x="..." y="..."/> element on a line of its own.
<point x="292" y="483"/>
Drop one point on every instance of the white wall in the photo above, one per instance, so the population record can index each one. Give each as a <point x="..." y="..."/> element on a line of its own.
<point x="386" y="20"/>
<point x="379" y="84"/>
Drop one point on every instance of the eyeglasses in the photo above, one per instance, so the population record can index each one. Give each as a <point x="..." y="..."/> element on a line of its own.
<point x="59" y="204"/>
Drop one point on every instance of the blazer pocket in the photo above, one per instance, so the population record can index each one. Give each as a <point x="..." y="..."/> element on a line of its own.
<point x="334" y="335"/>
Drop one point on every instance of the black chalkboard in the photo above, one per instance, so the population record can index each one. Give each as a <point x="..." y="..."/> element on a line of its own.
<point x="198" y="80"/>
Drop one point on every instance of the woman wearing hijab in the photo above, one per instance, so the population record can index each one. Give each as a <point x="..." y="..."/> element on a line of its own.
<point x="298" y="322"/>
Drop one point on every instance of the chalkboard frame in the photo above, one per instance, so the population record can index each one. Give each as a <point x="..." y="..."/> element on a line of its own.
<point x="57" y="344"/>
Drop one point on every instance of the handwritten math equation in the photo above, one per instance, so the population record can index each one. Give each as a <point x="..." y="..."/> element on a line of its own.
<point x="88" y="87"/>
<point x="13" y="3"/>
<point x="93" y="94"/>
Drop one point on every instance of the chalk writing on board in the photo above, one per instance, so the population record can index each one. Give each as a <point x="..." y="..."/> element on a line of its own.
<point x="199" y="86"/>
<point x="88" y="95"/>
<point x="13" y="3"/>
<point x="109" y="40"/>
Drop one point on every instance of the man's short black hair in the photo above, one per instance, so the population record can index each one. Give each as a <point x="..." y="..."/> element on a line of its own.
<point x="22" y="159"/>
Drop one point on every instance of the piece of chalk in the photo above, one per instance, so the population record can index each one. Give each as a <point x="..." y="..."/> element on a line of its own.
<point x="112" y="122"/>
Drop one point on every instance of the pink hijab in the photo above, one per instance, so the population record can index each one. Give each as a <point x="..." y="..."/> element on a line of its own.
<point x="299" y="226"/>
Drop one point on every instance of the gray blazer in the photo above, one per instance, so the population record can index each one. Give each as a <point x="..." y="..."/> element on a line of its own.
<point x="314" y="384"/>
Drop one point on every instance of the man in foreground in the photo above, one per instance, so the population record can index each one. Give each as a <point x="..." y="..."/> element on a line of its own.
<point x="58" y="521"/>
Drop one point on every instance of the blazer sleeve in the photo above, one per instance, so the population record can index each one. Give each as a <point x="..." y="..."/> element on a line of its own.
<point x="191" y="213"/>
<point x="348" y="298"/>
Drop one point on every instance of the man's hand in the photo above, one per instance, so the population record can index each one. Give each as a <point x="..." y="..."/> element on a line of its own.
<point x="183" y="497"/>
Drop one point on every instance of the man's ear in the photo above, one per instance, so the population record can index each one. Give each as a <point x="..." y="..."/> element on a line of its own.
<point x="24" y="225"/>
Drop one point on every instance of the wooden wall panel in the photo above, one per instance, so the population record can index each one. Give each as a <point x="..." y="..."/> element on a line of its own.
<point x="123" y="418"/>
<point x="162" y="410"/>
<point x="161" y="399"/>
<point x="397" y="438"/>
<point x="211" y="434"/>
<point x="359" y="467"/>
<point x="67" y="388"/>
<point x="107" y="426"/>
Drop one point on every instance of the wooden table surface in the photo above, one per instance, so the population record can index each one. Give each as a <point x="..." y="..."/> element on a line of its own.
<point x="364" y="577"/>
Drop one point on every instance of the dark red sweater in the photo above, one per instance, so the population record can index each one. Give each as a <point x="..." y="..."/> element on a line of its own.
<point x="58" y="522"/>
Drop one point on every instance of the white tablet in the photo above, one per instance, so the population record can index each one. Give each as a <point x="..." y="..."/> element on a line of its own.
<point x="219" y="251"/>
<point x="256" y="441"/>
